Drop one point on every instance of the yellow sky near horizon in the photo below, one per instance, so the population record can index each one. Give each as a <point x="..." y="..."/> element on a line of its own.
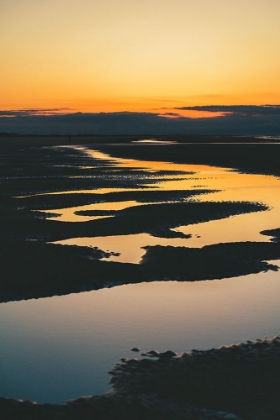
<point x="138" y="55"/>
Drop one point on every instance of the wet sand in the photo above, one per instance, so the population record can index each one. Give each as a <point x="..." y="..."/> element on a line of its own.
<point x="236" y="382"/>
<point x="36" y="178"/>
<point x="29" y="170"/>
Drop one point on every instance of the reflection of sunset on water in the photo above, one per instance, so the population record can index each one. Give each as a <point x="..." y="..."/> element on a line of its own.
<point x="78" y="337"/>
<point x="229" y="185"/>
<point x="101" y="255"/>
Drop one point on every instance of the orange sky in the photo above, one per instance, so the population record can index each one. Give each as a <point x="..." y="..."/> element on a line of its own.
<point x="138" y="55"/>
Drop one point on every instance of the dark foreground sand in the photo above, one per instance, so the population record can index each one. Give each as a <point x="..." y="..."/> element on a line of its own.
<point x="31" y="268"/>
<point x="237" y="382"/>
<point x="242" y="379"/>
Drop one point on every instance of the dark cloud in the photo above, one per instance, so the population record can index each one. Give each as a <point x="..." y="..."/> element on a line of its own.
<point x="170" y="114"/>
<point x="237" y="109"/>
<point x="238" y="120"/>
<point x="34" y="111"/>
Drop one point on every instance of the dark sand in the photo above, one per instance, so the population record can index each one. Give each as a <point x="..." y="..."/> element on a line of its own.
<point x="35" y="269"/>
<point x="237" y="379"/>
<point x="237" y="382"/>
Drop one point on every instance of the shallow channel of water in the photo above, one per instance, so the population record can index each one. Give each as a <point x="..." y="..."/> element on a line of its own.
<point x="228" y="185"/>
<point x="58" y="348"/>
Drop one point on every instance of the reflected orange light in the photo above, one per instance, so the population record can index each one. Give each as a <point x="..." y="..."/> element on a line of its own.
<point x="226" y="185"/>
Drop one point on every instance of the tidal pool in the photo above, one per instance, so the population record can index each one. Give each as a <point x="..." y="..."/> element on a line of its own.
<point x="227" y="185"/>
<point x="58" y="348"/>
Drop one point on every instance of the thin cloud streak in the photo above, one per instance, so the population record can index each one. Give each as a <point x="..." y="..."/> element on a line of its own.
<point x="236" y="109"/>
<point x="34" y="111"/>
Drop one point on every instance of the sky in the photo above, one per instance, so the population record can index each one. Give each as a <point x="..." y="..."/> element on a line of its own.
<point x="138" y="55"/>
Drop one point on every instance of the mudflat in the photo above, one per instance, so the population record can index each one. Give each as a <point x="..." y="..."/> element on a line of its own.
<point x="40" y="175"/>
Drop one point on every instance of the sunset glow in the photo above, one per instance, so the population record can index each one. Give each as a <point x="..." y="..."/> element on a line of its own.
<point x="109" y="56"/>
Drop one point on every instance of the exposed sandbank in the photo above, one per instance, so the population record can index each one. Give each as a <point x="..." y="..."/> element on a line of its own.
<point x="31" y="268"/>
<point x="236" y="382"/>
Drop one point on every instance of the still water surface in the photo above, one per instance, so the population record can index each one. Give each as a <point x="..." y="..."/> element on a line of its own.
<point x="58" y="348"/>
<point x="227" y="185"/>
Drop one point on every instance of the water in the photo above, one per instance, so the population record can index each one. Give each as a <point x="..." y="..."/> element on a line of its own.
<point x="228" y="185"/>
<point x="58" y="348"/>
